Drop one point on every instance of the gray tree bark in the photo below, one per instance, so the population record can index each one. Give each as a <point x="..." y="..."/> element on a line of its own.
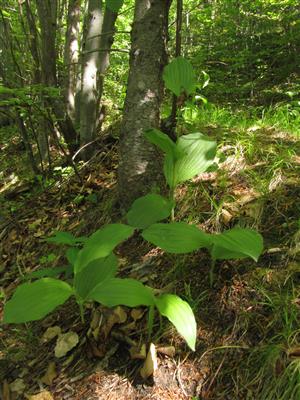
<point x="71" y="56"/>
<point x="89" y="87"/>
<point x="98" y="40"/>
<point x="140" y="168"/>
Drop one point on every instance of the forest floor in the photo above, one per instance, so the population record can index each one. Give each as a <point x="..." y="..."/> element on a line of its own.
<point x="248" y="343"/>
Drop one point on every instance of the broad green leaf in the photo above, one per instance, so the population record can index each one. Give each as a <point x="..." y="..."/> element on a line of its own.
<point x="94" y="273"/>
<point x="61" y="237"/>
<point x="235" y="242"/>
<point x="162" y="141"/>
<point x="110" y="235"/>
<point x="199" y="153"/>
<point x="114" y="5"/>
<point x="149" y="209"/>
<point x="72" y="254"/>
<point x="126" y="292"/>
<point x="33" y="301"/>
<point x="220" y="253"/>
<point x="176" y="237"/>
<point x="101" y="243"/>
<point x="46" y="272"/>
<point x="169" y="167"/>
<point x="180" y="314"/>
<point x="179" y="76"/>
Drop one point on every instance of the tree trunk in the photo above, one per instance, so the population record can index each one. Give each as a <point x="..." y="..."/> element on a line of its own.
<point x="89" y="87"/>
<point x="106" y="42"/>
<point x="71" y="56"/>
<point x="140" y="168"/>
<point x="47" y="12"/>
<point x="98" y="41"/>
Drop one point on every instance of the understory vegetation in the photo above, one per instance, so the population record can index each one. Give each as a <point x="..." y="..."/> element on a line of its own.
<point x="186" y="287"/>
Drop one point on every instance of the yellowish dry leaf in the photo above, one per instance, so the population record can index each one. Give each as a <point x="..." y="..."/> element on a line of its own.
<point x="50" y="374"/>
<point x="169" y="351"/>
<point x="138" y="353"/>
<point x="65" y="343"/>
<point x="51" y="333"/>
<point x="41" y="396"/>
<point x="137" y="313"/>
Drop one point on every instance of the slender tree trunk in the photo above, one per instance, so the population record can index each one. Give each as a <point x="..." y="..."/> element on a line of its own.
<point x="99" y="38"/>
<point x="89" y="87"/>
<point x="71" y="56"/>
<point x="27" y="144"/>
<point x="140" y="166"/>
<point x="106" y="42"/>
<point x="47" y="10"/>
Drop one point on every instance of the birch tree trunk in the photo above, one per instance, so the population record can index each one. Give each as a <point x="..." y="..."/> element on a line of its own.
<point x="71" y="56"/>
<point x="99" y="38"/>
<point x="89" y="87"/>
<point x="140" y="167"/>
<point x="106" y="42"/>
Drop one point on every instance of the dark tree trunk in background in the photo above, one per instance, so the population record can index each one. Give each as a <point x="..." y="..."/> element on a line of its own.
<point x="47" y="12"/>
<point x="33" y="43"/>
<point x="140" y="168"/>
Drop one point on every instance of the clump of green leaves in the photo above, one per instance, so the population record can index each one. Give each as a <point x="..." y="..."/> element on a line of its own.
<point x="95" y="267"/>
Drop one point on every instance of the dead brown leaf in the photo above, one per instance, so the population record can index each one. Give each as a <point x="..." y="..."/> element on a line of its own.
<point x="41" y="396"/>
<point x="50" y="374"/>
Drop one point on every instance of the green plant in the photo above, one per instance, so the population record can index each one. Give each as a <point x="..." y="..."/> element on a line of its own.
<point x="95" y="267"/>
<point x="190" y="155"/>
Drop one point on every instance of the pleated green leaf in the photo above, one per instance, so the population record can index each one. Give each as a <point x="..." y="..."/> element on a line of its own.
<point x="179" y="76"/>
<point x="199" y="153"/>
<point x="169" y="169"/>
<point x="33" y="301"/>
<point x="180" y="314"/>
<point x="177" y="237"/>
<point x="114" y="5"/>
<point x="149" y="209"/>
<point x="101" y="244"/>
<point x="162" y="141"/>
<point x="172" y="153"/>
<point x="47" y="272"/>
<point x="237" y="243"/>
<point x="94" y="273"/>
<point x="61" y="237"/>
<point x="126" y="292"/>
<point x="72" y="254"/>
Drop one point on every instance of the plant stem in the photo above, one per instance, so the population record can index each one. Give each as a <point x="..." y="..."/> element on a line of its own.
<point x="211" y="272"/>
<point x="81" y="310"/>
<point x="172" y="199"/>
<point x="150" y="322"/>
